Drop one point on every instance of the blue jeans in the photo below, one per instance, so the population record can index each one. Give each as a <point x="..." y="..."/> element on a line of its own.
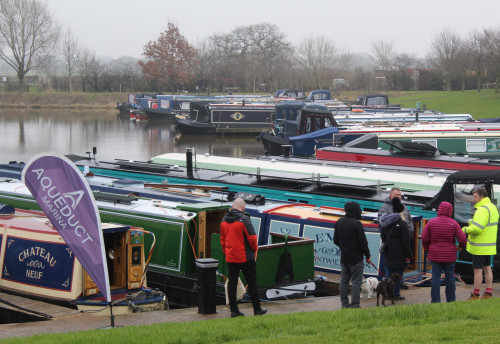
<point x="449" y="273"/>
<point x="354" y="272"/>
<point x="397" y="285"/>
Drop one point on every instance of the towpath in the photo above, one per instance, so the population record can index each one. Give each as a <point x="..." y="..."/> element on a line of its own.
<point x="81" y="321"/>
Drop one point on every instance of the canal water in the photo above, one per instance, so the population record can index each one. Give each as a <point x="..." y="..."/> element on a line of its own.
<point x="25" y="133"/>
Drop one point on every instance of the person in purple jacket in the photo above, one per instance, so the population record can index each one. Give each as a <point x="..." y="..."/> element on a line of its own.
<point x="439" y="241"/>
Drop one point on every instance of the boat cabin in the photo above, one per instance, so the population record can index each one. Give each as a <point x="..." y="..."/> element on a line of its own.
<point x="36" y="262"/>
<point x="458" y="190"/>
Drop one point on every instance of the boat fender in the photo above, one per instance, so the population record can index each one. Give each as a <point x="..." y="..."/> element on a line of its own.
<point x="6" y="209"/>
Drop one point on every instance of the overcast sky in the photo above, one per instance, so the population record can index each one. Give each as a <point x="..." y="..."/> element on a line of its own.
<point x="116" y="28"/>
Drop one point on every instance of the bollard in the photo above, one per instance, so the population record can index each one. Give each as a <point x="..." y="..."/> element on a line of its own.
<point x="207" y="269"/>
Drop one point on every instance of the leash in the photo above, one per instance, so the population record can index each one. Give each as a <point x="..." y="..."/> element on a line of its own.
<point x="380" y="272"/>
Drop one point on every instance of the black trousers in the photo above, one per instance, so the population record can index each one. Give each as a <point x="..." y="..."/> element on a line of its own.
<point x="250" y="272"/>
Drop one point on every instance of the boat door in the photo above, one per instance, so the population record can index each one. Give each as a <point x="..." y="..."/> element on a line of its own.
<point x="207" y="223"/>
<point x="124" y="247"/>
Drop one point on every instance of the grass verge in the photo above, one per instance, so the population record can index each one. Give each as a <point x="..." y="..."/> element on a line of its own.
<point x="457" y="322"/>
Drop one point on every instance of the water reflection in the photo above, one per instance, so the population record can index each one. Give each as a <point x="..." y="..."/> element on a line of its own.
<point x="26" y="133"/>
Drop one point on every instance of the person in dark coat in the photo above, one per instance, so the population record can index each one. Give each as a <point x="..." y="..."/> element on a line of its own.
<point x="394" y="233"/>
<point x="350" y="237"/>
<point x="439" y="240"/>
<point x="387" y="208"/>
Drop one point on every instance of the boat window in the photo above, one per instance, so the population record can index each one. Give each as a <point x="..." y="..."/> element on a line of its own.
<point x="475" y="145"/>
<point x="464" y="202"/>
<point x="318" y="123"/>
<point x="308" y="125"/>
<point x="376" y="101"/>
<point x="328" y="123"/>
<point x="433" y="143"/>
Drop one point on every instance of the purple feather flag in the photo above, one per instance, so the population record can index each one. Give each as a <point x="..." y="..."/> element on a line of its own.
<point x="65" y="197"/>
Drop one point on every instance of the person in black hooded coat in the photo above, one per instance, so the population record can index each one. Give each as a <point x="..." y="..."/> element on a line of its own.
<point x="350" y="237"/>
<point x="396" y="236"/>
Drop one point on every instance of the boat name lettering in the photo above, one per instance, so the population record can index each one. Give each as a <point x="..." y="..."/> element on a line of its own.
<point x="34" y="274"/>
<point x="328" y="261"/>
<point x="323" y="237"/>
<point x="37" y="252"/>
<point x="330" y="251"/>
<point x="36" y="264"/>
<point x="62" y="205"/>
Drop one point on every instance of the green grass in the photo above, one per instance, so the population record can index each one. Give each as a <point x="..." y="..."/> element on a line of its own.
<point x="458" y="322"/>
<point x="484" y="104"/>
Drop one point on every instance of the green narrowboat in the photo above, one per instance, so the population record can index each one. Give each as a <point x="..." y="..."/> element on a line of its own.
<point x="184" y="233"/>
<point x="480" y="144"/>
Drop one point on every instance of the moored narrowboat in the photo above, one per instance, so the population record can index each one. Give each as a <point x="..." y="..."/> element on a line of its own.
<point x="36" y="262"/>
<point x="249" y="118"/>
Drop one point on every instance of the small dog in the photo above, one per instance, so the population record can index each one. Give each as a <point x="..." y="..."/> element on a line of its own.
<point x="368" y="286"/>
<point x="386" y="288"/>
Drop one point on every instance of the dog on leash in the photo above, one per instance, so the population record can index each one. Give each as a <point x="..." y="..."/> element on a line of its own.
<point x="368" y="286"/>
<point x="386" y="288"/>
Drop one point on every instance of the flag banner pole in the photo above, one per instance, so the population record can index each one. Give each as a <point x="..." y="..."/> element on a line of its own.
<point x="65" y="197"/>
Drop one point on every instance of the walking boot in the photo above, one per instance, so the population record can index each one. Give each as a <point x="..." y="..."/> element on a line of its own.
<point x="486" y="296"/>
<point x="261" y="311"/>
<point x="473" y="297"/>
<point x="237" y="314"/>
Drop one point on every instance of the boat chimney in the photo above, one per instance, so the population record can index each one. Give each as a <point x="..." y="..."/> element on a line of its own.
<point x="189" y="162"/>
<point x="286" y="150"/>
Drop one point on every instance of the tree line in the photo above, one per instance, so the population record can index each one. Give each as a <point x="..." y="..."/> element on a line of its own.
<point x="250" y="58"/>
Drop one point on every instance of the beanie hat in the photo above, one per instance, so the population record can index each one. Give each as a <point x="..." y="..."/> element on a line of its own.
<point x="397" y="206"/>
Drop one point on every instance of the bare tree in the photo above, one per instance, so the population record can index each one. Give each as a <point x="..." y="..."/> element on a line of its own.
<point x="382" y="54"/>
<point x="493" y="52"/>
<point x="248" y="55"/>
<point x="445" y="53"/>
<point x="476" y="46"/>
<point x="90" y="70"/>
<point x="71" y="53"/>
<point x="382" y="57"/>
<point x="28" y="35"/>
<point x="272" y="50"/>
<point x="317" y="56"/>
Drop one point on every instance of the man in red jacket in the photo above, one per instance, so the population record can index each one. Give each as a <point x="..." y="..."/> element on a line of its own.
<point x="239" y="245"/>
<point x="438" y="240"/>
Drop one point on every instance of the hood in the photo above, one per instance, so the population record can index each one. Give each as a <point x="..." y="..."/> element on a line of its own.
<point x="445" y="209"/>
<point x="233" y="216"/>
<point x="387" y="220"/>
<point x="353" y="209"/>
<point x="397" y="206"/>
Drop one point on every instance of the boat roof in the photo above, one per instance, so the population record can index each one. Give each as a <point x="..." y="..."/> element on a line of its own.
<point x="37" y="221"/>
<point x="311" y="170"/>
<point x="311" y="212"/>
<point x="472" y="177"/>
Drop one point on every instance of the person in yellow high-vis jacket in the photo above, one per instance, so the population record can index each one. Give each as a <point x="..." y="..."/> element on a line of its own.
<point x="482" y="241"/>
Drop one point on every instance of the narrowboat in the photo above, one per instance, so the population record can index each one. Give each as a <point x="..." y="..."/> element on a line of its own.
<point x="186" y="231"/>
<point x="458" y="190"/>
<point x="295" y="119"/>
<point x="366" y="149"/>
<point x="243" y="118"/>
<point x="478" y="143"/>
<point x="37" y="263"/>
